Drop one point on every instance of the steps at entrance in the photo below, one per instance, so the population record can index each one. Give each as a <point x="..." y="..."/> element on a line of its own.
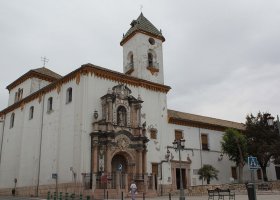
<point x="112" y="194"/>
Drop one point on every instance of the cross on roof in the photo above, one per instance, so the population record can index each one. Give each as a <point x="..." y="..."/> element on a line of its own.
<point x="44" y="60"/>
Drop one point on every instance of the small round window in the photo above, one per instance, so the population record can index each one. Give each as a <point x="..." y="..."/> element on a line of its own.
<point x="151" y="41"/>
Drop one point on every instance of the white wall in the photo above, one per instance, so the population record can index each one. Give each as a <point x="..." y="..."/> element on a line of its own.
<point x="139" y="45"/>
<point x="199" y="157"/>
<point x="26" y="91"/>
<point x="29" y="86"/>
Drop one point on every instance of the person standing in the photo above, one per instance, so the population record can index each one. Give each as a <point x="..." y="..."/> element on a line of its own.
<point x="133" y="189"/>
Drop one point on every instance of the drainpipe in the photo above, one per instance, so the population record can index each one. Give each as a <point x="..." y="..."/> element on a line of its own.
<point x="200" y="150"/>
<point x="2" y="137"/>
<point x="40" y="148"/>
<point x="161" y="192"/>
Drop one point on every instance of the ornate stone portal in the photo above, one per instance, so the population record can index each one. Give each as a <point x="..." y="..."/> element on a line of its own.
<point x="118" y="140"/>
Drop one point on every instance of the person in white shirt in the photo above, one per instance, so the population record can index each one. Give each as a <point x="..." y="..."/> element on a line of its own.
<point x="133" y="189"/>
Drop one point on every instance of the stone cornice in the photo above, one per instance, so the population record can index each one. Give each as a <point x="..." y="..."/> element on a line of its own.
<point x="86" y="70"/>
<point x="141" y="31"/>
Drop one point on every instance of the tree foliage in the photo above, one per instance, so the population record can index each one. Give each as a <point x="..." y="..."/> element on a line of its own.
<point x="234" y="144"/>
<point x="263" y="140"/>
<point x="208" y="172"/>
<point x="231" y="142"/>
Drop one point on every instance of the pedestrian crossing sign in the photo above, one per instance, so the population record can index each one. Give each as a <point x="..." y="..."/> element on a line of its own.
<point x="253" y="163"/>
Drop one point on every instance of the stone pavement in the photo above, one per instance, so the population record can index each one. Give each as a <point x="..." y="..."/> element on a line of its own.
<point x="237" y="197"/>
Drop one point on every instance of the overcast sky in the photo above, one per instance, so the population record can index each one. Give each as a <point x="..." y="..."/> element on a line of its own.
<point x="221" y="58"/>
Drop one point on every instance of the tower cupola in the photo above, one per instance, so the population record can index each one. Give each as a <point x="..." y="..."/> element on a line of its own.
<point x="142" y="51"/>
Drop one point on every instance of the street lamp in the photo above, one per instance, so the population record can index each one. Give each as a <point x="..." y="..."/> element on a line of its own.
<point x="179" y="145"/>
<point x="270" y="122"/>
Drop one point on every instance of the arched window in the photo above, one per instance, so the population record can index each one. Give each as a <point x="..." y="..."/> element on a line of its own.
<point x="150" y="59"/>
<point x="121" y="113"/>
<point x="31" y="112"/>
<point x="16" y="96"/>
<point x="131" y="60"/>
<point x="69" y="95"/>
<point x="50" y="104"/>
<point x="12" y="120"/>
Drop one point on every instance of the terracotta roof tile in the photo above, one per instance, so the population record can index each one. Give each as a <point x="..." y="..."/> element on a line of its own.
<point x="142" y="24"/>
<point x="41" y="73"/>
<point x="48" y="72"/>
<point x="204" y="120"/>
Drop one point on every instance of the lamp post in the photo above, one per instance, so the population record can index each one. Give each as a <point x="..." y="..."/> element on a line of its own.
<point x="179" y="145"/>
<point x="270" y="122"/>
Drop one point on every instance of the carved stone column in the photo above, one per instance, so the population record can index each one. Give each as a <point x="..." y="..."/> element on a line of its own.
<point x="144" y="161"/>
<point x="110" y="110"/>
<point x="140" y="163"/>
<point x="94" y="159"/>
<point x="108" y="160"/>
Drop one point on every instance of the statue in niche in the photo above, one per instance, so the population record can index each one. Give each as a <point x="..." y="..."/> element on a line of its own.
<point x="121" y="116"/>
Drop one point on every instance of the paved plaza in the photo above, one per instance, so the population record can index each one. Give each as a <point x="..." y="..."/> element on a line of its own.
<point x="237" y="197"/>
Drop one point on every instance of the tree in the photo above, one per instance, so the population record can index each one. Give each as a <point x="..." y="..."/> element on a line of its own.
<point x="234" y="144"/>
<point x="263" y="140"/>
<point x="208" y="172"/>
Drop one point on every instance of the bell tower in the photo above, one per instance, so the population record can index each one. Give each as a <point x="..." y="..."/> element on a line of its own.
<point x="142" y="51"/>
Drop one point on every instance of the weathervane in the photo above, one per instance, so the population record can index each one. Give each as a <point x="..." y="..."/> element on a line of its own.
<point x="44" y="60"/>
<point x="141" y="8"/>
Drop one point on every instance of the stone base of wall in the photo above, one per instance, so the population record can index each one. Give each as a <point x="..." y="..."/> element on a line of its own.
<point x="238" y="188"/>
<point x="161" y="190"/>
<point x="44" y="189"/>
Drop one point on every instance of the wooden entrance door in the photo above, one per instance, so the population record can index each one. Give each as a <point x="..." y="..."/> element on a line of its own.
<point x="155" y="173"/>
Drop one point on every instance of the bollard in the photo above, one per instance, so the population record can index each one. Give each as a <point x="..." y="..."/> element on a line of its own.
<point x="54" y="196"/>
<point x="66" y="196"/>
<point x="60" y="196"/>
<point x="169" y="196"/>
<point x="88" y="197"/>
<point x="48" y="198"/>
<point x="143" y="195"/>
<point x="107" y="194"/>
<point x="81" y="197"/>
<point x="122" y="195"/>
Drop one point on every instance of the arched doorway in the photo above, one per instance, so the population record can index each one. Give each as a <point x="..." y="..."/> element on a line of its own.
<point x="119" y="164"/>
<point x="119" y="169"/>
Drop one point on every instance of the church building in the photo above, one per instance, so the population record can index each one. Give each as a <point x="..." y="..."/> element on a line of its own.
<point x="95" y="128"/>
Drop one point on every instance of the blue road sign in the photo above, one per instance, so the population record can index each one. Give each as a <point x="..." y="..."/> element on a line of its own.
<point x="253" y="163"/>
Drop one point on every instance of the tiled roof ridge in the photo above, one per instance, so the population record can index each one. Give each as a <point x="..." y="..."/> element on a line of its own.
<point x="47" y="71"/>
<point x="183" y="118"/>
<point x="204" y="116"/>
<point x="42" y="73"/>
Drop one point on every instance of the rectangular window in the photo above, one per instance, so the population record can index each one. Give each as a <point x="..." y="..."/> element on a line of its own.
<point x="178" y="134"/>
<point x="204" y="142"/>
<point x="234" y="173"/>
<point x="153" y="133"/>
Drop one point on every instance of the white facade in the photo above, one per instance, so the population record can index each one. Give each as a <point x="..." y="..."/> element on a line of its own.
<point x="58" y="141"/>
